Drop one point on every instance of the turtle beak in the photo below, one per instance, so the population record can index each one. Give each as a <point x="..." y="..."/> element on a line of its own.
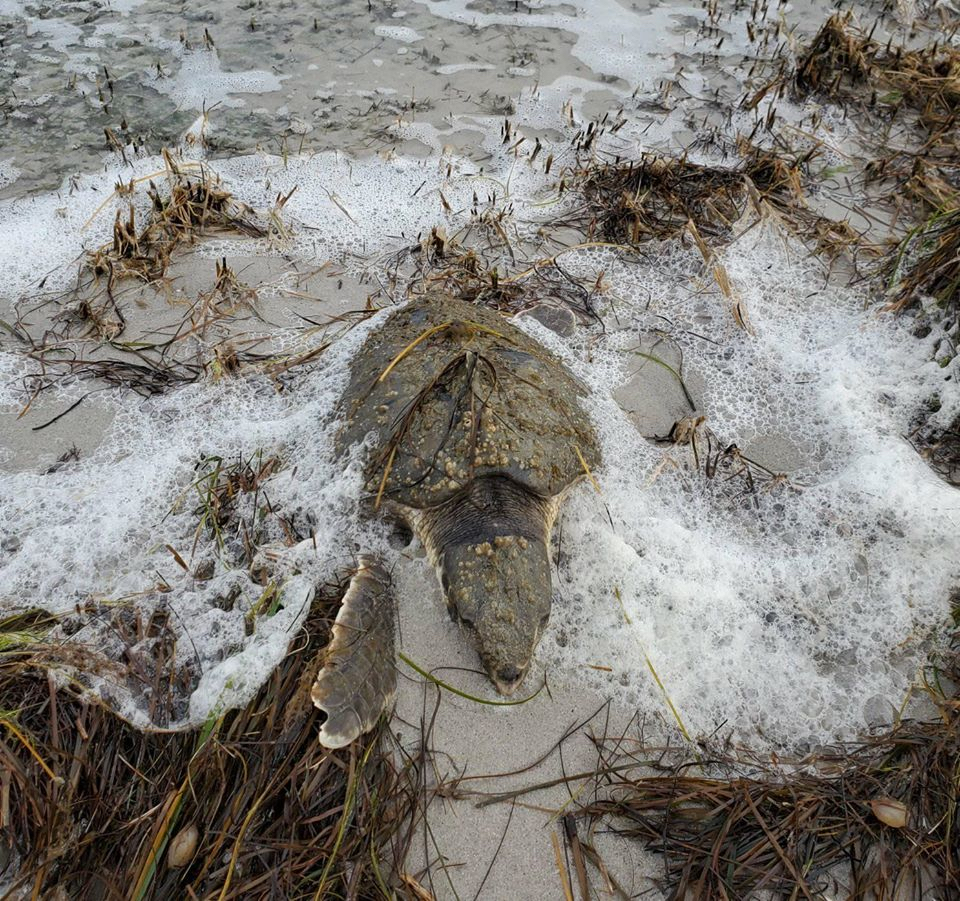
<point x="508" y="678"/>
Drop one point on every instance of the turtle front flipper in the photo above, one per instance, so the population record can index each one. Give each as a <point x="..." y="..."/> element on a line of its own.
<point x="358" y="678"/>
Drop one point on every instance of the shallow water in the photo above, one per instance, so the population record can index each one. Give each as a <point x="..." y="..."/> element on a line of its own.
<point x="285" y="77"/>
<point x="794" y="614"/>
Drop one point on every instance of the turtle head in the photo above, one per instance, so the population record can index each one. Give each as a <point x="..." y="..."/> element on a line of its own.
<point x="499" y="591"/>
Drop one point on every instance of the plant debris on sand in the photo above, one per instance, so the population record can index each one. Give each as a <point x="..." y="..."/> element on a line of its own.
<point x="934" y="271"/>
<point x="940" y="447"/>
<point x="248" y="806"/>
<point x="657" y="197"/>
<point x="921" y="87"/>
<point x="79" y="334"/>
<point x="194" y="206"/>
<point x="879" y="815"/>
<point x="841" y="57"/>
<point x="730" y="473"/>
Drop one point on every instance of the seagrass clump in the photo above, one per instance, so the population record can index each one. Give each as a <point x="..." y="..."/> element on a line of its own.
<point x="842" y="60"/>
<point x="658" y="198"/>
<point x="878" y="816"/>
<point x="939" y="446"/>
<point x="835" y="53"/>
<point x="927" y="264"/>
<point x="655" y="197"/>
<point x="248" y="805"/>
<point x="196" y="203"/>
<point x="443" y="263"/>
<point x="919" y="87"/>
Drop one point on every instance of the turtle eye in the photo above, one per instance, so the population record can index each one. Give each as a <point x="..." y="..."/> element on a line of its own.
<point x="466" y="621"/>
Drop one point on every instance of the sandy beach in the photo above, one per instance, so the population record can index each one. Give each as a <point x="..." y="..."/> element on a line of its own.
<point x="764" y="560"/>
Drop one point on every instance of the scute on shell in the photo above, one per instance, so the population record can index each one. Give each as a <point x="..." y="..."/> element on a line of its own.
<point x="475" y="397"/>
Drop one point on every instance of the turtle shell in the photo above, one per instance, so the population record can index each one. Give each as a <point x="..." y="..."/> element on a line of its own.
<point x="455" y="392"/>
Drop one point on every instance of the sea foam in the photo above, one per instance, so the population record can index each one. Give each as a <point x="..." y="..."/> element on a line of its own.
<point x="792" y="611"/>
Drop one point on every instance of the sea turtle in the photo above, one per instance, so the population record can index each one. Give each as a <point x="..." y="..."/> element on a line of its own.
<point x="479" y="434"/>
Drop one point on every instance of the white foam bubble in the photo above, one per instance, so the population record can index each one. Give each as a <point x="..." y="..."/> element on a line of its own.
<point x="99" y="528"/>
<point x="453" y="68"/>
<point x="233" y="681"/>
<point x="398" y="33"/>
<point x="13" y="371"/>
<point x="8" y="173"/>
<point x="201" y="83"/>
<point x="60" y="34"/>
<point x="806" y="603"/>
<point x="611" y="39"/>
<point x="125" y="7"/>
